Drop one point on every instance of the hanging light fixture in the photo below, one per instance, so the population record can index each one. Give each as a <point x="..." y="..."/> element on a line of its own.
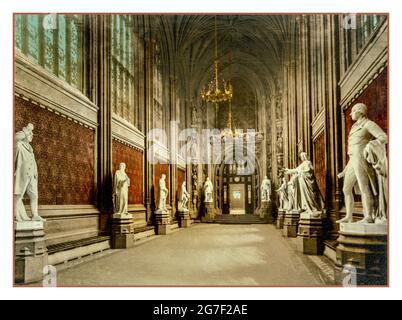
<point x="217" y="91"/>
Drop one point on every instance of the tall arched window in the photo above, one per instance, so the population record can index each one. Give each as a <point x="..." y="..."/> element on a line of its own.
<point x="122" y="67"/>
<point x="54" y="42"/>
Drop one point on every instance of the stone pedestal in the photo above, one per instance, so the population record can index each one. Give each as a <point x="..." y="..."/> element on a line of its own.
<point x="361" y="256"/>
<point x="30" y="251"/>
<point x="162" y="220"/>
<point x="266" y="212"/>
<point x="122" y="231"/>
<point x="280" y="218"/>
<point x="291" y="223"/>
<point x="209" y="212"/>
<point x="311" y="233"/>
<point x="184" y="218"/>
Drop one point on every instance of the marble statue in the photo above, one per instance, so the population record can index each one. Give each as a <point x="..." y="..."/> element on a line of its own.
<point x="266" y="189"/>
<point x="208" y="190"/>
<point x="194" y="116"/>
<point x="366" y="171"/>
<point x="293" y="200"/>
<point x="163" y="193"/>
<point x="283" y="194"/>
<point x="184" y="196"/>
<point x="309" y="195"/>
<point x="25" y="175"/>
<point x="120" y="190"/>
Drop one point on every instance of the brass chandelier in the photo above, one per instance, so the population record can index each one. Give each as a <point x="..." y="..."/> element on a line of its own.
<point x="217" y="91"/>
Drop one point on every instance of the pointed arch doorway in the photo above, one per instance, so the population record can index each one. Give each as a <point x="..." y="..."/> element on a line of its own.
<point x="236" y="188"/>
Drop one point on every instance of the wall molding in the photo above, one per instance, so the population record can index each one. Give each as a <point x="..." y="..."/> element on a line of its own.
<point x="369" y="64"/>
<point x="35" y="84"/>
<point x="126" y="133"/>
<point x="65" y="211"/>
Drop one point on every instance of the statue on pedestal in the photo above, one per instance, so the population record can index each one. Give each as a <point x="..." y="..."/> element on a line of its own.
<point x="184" y="196"/>
<point x="208" y="190"/>
<point x="163" y="193"/>
<point x="366" y="171"/>
<point x="194" y="115"/>
<point x="266" y="189"/>
<point x="120" y="191"/>
<point x="25" y="175"/>
<point x="283" y="194"/>
<point x="309" y="194"/>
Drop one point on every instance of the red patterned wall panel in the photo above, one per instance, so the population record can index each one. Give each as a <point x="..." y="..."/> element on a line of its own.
<point x="133" y="159"/>
<point x="319" y="163"/>
<point x="181" y="176"/>
<point x="376" y="98"/>
<point x="158" y="170"/>
<point x="64" y="152"/>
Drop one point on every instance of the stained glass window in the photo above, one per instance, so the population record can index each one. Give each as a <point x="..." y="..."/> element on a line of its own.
<point x="52" y="41"/>
<point x="33" y="36"/>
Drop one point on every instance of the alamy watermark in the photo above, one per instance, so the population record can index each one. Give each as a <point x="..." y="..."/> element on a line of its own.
<point x="207" y="146"/>
<point x="350" y="279"/>
<point x="350" y="22"/>
<point x="49" y="277"/>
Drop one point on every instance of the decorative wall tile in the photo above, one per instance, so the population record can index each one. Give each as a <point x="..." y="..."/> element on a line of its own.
<point x="64" y="152"/>
<point x="133" y="159"/>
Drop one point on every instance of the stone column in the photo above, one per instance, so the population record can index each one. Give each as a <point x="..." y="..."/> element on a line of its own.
<point x="163" y="220"/>
<point x="184" y="218"/>
<point x="123" y="231"/>
<point x="148" y="111"/>
<point x="311" y="234"/>
<point x="361" y="256"/>
<point x="30" y="251"/>
<point x="291" y="223"/>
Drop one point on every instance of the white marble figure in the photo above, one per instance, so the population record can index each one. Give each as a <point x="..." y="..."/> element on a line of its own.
<point x="120" y="190"/>
<point x="366" y="170"/>
<point x="292" y="194"/>
<point x="208" y="190"/>
<point x="309" y="195"/>
<point x="184" y="196"/>
<point x="25" y="175"/>
<point x="283" y="194"/>
<point x="163" y="193"/>
<point x="266" y="189"/>
<point x="194" y="115"/>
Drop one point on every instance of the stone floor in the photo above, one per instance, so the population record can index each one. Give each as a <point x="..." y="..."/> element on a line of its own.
<point x="203" y="255"/>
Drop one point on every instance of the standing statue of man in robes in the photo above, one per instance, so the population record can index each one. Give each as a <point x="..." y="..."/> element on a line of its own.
<point x="120" y="190"/>
<point x="266" y="189"/>
<point x="208" y="190"/>
<point x="309" y="196"/>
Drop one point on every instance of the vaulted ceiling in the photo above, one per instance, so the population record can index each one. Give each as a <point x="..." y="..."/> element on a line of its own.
<point x="250" y="47"/>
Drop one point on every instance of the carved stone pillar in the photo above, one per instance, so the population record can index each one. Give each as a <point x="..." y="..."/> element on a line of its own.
<point x="162" y="220"/>
<point x="122" y="231"/>
<point x="210" y="212"/>
<point x="30" y="251"/>
<point x="291" y="223"/>
<point x="266" y="212"/>
<point x="311" y="234"/>
<point x="280" y="218"/>
<point x="361" y="256"/>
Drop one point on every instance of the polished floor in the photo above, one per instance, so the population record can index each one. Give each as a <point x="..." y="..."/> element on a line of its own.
<point x="203" y="255"/>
